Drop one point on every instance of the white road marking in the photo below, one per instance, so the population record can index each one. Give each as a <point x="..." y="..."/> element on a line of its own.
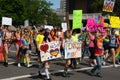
<point x="32" y="75"/>
<point x="18" y="77"/>
<point x="12" y="51"/>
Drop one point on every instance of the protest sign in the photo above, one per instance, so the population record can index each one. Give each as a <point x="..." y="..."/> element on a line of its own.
<point x="108" y="5"/>
<point x="115" y="22"/>
<point x="6" y="21"/>
<point x="99" y="21"/>
<point x="64" y="26"/>
<point x="50" y="50"/>
<point x="93" y="24"/>
<point x="90" y="26"/>
<point x="72" y="49"/>
<point x="48" y="27"/>
<point x="77" y="19"/>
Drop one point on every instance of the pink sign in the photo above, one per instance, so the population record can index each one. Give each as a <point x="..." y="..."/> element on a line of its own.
<point x="90" y="24"/>
<point x="93" y="24"/>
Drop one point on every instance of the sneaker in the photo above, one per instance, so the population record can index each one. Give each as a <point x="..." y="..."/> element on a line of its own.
<point x="6" y="64"/>
<point x="98" y="75"/>
<point x="115" y="65"/>
<point x="65" y="74"/>
<point x="92" y="73"/>
<point x="103" y="63"/>
<point x="118" y="62"/>
<point x="19" y="65"/>
<point x="29" y="65"/>
<point x="49" y="79"/>
<point x="39" y="74"/>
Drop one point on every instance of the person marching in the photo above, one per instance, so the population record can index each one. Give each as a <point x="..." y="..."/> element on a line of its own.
<point x="74" y="38"/>
<point x="45" y="65"/>
<point x="7" y="40"/>
<point x="92" y="60"/>
<point x="39" y="40"/>
<point x="17" y="44"/>
<point x="86" y="43"/>
<point x="67" y="38"/>
<point x="113" y="43"/>
<point x="98" y="51"/>
<point x="25" y="46"/>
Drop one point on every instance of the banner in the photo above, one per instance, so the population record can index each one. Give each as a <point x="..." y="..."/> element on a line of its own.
<point x="108" y="5"/>
<point x="77" y="19"/>
<point x="49" y="51"/>
<point x="6" y="21"/>
<point x="115" y="22"/>
<point x="73" y="49"/>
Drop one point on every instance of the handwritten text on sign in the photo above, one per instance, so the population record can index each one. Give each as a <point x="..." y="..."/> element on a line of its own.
<point x="72" y="49"/>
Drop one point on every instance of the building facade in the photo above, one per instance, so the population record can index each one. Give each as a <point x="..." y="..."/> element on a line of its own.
<point x="79" y="5"/>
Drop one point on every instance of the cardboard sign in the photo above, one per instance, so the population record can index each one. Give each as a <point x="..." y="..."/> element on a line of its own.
<point x="115" y="22"/>
<point x="49" y="51"/>
<point x="64" y="26"/>
<point x="108" y="5"/>
<point x="49" y="27"/>
<point x="72" y="49"/>
<point x="93" y="24"/>
<point x="90" y="26"/>
<point x="77" y="19"/>
<point x="6" y="21"/>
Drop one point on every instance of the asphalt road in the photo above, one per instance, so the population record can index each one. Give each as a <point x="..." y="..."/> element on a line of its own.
<point x="12" y="72"/>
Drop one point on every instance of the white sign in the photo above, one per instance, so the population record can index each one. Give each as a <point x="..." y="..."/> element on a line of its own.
<point x="64" y="26"/>
<point x="26" y="23"/>
<point x="73" y="49"/>
<point x="6" y="21"/>
<point x="49" y="27"/>
<point x="50" y="50"/>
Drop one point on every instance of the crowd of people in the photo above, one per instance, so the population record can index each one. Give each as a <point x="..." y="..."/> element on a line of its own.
<point x="99" y="47"/>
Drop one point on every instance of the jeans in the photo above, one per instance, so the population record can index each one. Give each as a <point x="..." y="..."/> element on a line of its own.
<point x="85" y="52"/>
<point x="99" y="60"/>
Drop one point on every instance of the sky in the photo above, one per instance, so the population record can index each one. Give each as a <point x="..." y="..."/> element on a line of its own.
<point x="56" y="4"/>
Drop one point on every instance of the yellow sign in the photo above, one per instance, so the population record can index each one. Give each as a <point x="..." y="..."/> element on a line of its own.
<point x="115" y="22"/>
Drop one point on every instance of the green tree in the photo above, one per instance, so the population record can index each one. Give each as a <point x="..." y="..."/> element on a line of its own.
<point x="36" y="11"/>
<point x="13" y="9"/>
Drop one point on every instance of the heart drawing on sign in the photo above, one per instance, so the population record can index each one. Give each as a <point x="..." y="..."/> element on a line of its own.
<point x="44" y="47"/>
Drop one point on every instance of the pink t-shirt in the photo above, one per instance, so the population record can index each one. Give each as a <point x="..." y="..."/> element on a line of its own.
<point x="91" y="41"/>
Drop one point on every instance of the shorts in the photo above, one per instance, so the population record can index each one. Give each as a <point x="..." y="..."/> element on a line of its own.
<point x="24" y="51"/>
<point x="106" y="47"/>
